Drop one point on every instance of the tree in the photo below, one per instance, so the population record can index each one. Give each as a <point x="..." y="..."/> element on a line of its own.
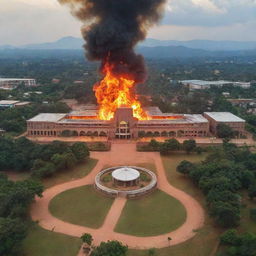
<point x="70" y="160"/>
<point x="59" y="161"/>
<point x="189" y="145"/>
<point x="224" y="131"/>
<point x="46" y="170"/>
<point x="154" y="145"/>
<point x="252" y="190"/>
<point x="185" y="167"/>
<point x="80" y="150"/>
<point x="253" y="214"/>
<point x="12" y="232"/>
<point x="87" y="238"/>
<point x="169" y="145"/>
<point x="229" y="237"/>
<point x="226" y="215"/>
<point x="239" y="245"/>
<point x="110" y="248"/>
<point x="152" y="252"/>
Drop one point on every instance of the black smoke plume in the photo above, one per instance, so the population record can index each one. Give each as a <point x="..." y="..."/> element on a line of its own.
<point x="113" y="29"/>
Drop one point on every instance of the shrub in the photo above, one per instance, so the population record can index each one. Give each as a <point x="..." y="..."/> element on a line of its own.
<point x="253" y="214"/>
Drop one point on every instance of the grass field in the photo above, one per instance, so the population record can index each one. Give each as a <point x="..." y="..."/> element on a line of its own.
<point x="206" y="239"/>
<point x="77" y="172"/>
<point x="153" y="215"/>
<point x="85" y="206"/>
<point x="40" y="242"/>
<point x="247" y="224"/>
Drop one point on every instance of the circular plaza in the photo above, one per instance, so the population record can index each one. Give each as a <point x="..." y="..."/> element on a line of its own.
<point x="126" y="181"/>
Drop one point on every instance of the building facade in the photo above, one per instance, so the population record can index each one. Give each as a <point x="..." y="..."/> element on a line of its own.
<point x="202" y="85"/>
<point x="234" y="122"/>
<point x="122" y="126"/>
<point x="12" y="83"/>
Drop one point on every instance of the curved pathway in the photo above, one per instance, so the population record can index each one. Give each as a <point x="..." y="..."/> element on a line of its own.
<point x="121" y="154"/>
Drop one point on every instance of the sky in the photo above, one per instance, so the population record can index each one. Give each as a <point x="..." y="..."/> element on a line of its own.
<point x="35" y="21"/>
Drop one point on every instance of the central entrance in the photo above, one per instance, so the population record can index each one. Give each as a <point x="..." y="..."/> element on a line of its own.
<point x="123" y="130"/>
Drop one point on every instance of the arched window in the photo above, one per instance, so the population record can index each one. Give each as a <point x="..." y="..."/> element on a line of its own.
<point x="89" y="133"/>
<point x="95" y="134"/>
<point x="103" y="134"/>
<point x="82" y="133"/>
<point x="164" y="134"/>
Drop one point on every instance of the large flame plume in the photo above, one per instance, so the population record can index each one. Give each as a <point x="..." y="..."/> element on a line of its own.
<point x="112" y="29"/>
<point x="115" y="91"/>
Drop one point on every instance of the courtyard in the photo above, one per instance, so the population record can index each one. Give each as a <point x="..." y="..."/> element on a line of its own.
<point x="67" y="208"/>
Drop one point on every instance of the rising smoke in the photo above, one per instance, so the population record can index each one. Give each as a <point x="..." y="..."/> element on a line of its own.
<point x="113" y="28"/>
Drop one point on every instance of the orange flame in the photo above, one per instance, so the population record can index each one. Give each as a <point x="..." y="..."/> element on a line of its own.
<point x="114" y="91"/>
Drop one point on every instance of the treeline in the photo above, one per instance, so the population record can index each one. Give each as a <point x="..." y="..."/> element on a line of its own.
<point x="169" y="146"/>
<point x="15" y="199"/>
<point x="221" y="176"/>
<point x="14" y="119"/>
<point x="238" y="244"/>
<point x="40" y="160"/>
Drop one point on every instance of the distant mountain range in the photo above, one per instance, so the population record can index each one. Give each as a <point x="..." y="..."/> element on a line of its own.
<point x="74" y="43"/>
<point x="153" y="48"/>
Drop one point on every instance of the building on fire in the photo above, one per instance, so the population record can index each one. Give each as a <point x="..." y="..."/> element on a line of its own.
<point x="125" y="126"/>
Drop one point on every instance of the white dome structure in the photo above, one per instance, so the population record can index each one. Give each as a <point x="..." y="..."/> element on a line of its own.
<point x="126" y="176"/>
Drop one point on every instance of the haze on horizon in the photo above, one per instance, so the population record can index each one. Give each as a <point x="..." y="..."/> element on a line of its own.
<point x="34" y="21"/>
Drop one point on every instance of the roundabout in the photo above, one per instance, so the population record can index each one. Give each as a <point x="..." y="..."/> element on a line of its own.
<point x="115" y="224"/>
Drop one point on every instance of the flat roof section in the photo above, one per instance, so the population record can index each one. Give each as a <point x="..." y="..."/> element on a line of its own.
<point x="16" y="79"/>
<point x="224" y="117"/>
<point x="48" y="117"/>
<point x="8" y="102"/>
<point x="187" y="119"/>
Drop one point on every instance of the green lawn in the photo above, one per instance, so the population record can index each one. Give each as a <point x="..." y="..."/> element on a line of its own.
<point x="82" y="206"/>
<point x="247" y="224"/>
<point x="153" y="215"/>
<point x="149" y="166"/>
<point x="206" y="239"/>
<point x="40" y="242"/>
<point x="77" y="172"/>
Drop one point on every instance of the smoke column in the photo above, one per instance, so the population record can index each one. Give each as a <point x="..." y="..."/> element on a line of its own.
<point x="113" y="29"/>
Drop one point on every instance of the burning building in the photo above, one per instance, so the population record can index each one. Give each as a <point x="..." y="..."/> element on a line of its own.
<point x="112" y="30"/>
<point x="124" y="125"/>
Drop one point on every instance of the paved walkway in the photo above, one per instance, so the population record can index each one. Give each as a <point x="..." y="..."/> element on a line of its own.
<point x="121" y="154"/>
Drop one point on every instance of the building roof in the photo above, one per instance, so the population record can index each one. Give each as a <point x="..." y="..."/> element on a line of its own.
<point x="87" y="112"/>
<point x="125" y="174"/>
<point x="15" y="79"/>
<point x="23" y="103"/>
<point x="8" y="102"/>
<point x="206" y="83"/>
<point x="184" y="120"/>
<point x="224" y="117"/>
<point x="48" y="117"/>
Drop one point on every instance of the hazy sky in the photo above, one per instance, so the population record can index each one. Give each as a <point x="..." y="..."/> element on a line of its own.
<point x="33" y="21"/>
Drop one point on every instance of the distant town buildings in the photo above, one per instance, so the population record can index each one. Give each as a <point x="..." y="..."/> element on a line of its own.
<point x="2" y="132"/>
<point x="202" y="84"/>
<point x="12" y="103"/>
<point x="12" y="83"/>
<point x="248" y="104"/>
<point x="55" y="81"/>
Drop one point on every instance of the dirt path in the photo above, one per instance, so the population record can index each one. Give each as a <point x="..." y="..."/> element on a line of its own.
<point x="121" y="154"/>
